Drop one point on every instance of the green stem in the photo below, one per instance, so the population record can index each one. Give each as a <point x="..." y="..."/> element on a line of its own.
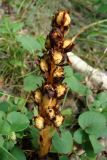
<point x="65" y="97"/>
<point x="20" y="7"/>
<point x="9" y="95"/>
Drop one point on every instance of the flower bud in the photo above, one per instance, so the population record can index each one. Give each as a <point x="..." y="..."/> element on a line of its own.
<point x="58" y="120"/>
<point x="59" y="72"/>
<point x="38" y="96"/>
<point x="51" y="113"/>
<point x="43" y="65"/>
<point x="39" y="122"/>
<point x="60" y="89"/>
<point x="63" y="18"/>
<point x="57" y="57"/>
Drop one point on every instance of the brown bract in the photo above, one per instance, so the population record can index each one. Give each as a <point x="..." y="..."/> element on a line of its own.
<point x="56" y="38"/>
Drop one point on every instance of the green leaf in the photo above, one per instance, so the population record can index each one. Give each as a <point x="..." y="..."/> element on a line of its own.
<point x="63" y="158"/>
<point x="102" y="8"/>
<point x="80" y="136"/>
<point x="16" y="26"/>
<point x="41" y="41"/>
<point x="67" y="122"/>
<point x="73" y="83"/>
<point x="18" y="153"/>
<point x="68" y="71"/>
<point x="104" y="112"/>
<point x="5" y="155"/>
<point x="100" y="102"/>
<point x="1" y="140"/>
<point x="5" y="127"/>
<point x="89" y="150"/>
<point x="4" y="106"/>
<point x="66" y="112"/>
<point x="95" y="144"/>
<point x="104" y="134"/>
<point x="2" y="115"/>
<point x="9" y="144"/>
<point x="92" y="122"/>
<point x="35" y="111"/>
<point x="29" y="43"/>
<point x="63" y="143"/>
<point x="18" y="121"/>
<point x="20" y="102"/>
<point x="35" y="135"/>
<point x="102" y="97"/>
<point x="32" y="82"/>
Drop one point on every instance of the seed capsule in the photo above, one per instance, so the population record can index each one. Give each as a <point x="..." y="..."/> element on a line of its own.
<point x="63" y="18"/>
<point x="58" y="120"/>
<point x="60" y="89"/>
<point x="51" y="113"/>
<point x="38" y="96"/>
<point x="43" y="65"/>
<point x="57" y="57"/>
<point x="39" y="122"/>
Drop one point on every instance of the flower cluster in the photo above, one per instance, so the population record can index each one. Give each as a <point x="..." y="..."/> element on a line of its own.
<point x="48" y="97"/>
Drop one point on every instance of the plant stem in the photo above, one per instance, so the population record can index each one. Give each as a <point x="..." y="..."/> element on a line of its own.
<point x="86" y="28"/>
<point x="65" y="97"/>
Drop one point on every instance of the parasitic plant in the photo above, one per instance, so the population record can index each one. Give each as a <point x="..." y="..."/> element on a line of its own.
<point x="50" y="95"/>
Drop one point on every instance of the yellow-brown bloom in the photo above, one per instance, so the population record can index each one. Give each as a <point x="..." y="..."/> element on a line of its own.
<point x="57" y="57"/>
<point x="67" y="42"/>
<point x="51" y="113"/>
<point x="63" y="18"/>
<point x="48" y="102"/>
<point x="59" y="72"/>
<point x="58" y="120"/>
<point x="38" y="96"/>
<point x="39" y="122"/>
<point x="43" y="65"/>
<point x="60" y="89"/>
